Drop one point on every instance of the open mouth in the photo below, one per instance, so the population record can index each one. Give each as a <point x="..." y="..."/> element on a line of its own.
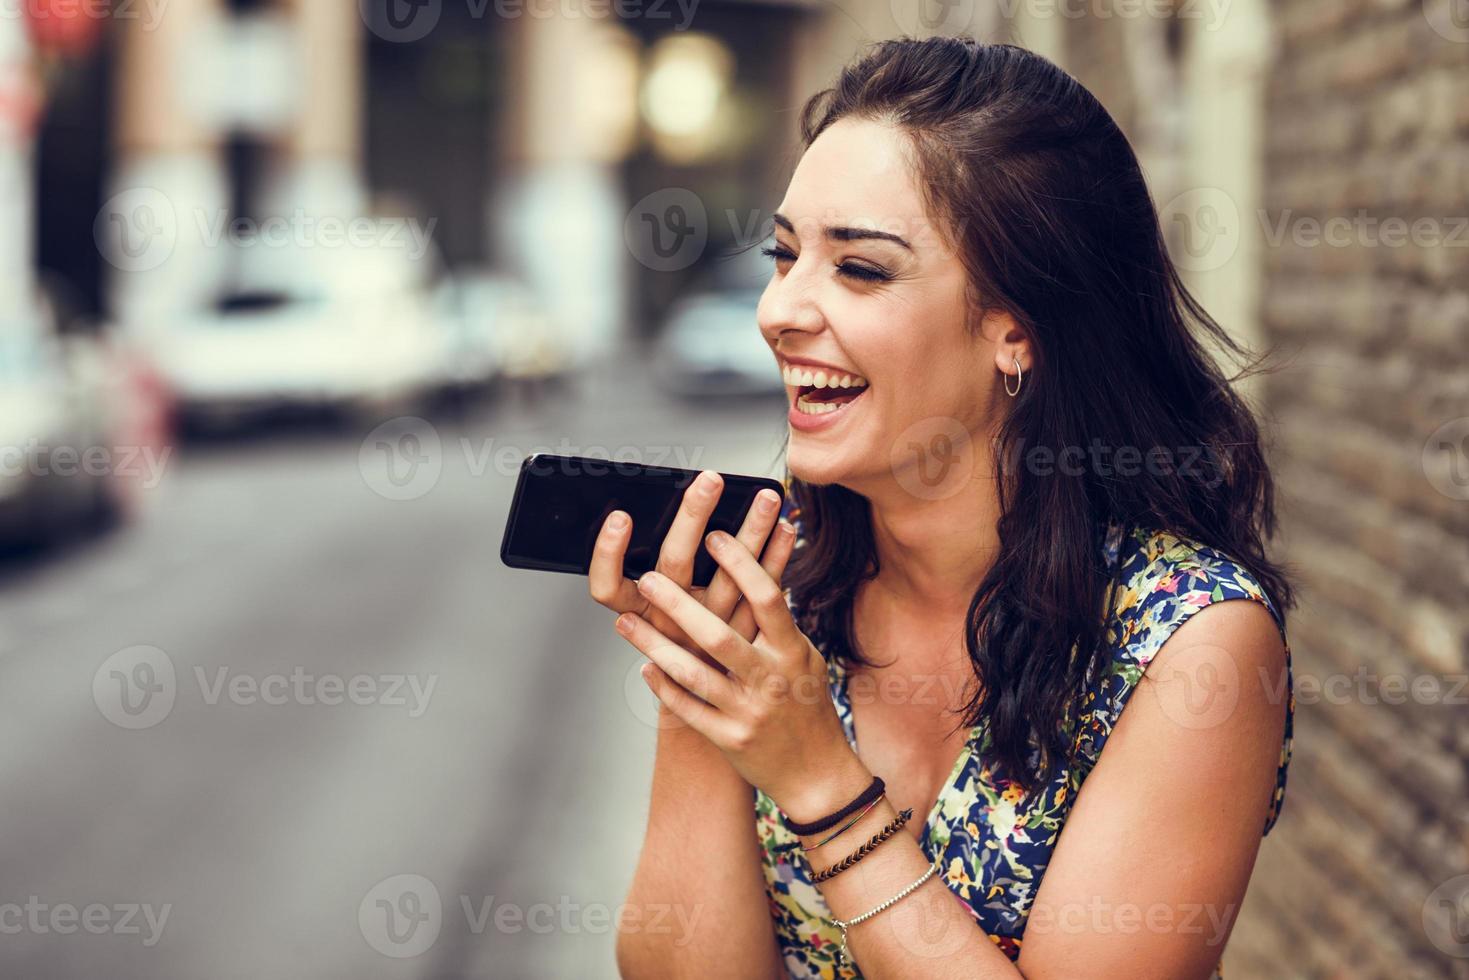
<point x="819" y="392"/>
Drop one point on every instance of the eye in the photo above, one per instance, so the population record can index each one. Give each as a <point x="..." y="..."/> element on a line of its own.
<point x="862" y="272"/>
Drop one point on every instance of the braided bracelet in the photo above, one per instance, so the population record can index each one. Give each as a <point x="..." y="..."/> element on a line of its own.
<point x="864" y="850"/>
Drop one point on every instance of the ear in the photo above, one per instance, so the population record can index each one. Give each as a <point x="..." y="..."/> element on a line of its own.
<point x="1012" y="343"/>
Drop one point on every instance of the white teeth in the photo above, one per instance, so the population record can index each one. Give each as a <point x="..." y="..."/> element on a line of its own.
<point x="798" y="377"/>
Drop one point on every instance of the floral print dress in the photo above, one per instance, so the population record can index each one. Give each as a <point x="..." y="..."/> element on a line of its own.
<point x="993" y="841"/>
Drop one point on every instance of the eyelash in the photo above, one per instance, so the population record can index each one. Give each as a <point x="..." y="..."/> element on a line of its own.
<point x="858" y="272"/>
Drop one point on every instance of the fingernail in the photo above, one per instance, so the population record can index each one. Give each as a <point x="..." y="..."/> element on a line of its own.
<point x="646" y="585"/>
<point x="618" y="521"/>
<point x="715" y="539"/>
<point x="624" y="623"/>
<point x="768" y="501"/>
<point x="708" y="481"/>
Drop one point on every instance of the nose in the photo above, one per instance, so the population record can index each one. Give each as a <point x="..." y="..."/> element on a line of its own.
<point x="788" y="305"/>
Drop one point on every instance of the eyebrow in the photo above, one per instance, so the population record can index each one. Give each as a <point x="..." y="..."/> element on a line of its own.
<point x="843" y="234"/>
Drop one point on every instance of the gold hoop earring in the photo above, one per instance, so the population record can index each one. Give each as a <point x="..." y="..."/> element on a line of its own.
<point x="1019" y="379"/>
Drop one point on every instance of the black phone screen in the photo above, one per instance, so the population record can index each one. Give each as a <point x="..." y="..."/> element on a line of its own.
<point x="561" y="503"/>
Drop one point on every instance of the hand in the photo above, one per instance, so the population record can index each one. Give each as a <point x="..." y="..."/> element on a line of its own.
<point x="676" y="558"/>
<point x="764" y="701"/>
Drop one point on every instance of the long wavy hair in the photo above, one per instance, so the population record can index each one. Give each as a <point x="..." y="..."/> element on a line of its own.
<point x="1048" y="208"/>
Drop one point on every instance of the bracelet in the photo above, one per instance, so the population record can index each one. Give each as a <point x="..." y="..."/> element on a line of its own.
<point x="849" y="825"/>
<point x="844" y="926"/>
<point x="872" y="792"/>
<point x="864" y="850"/>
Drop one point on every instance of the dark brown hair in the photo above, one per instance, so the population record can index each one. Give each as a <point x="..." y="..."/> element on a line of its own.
<point x="1045" y="202"/>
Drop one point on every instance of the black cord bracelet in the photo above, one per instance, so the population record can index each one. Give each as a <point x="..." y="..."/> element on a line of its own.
<point x="869" y="794"/>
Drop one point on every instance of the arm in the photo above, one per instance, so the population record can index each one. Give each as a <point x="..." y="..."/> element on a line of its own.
<point x="698" y="895"/>
<point x="1154" y="858"/>
<point x="700" y="855"/>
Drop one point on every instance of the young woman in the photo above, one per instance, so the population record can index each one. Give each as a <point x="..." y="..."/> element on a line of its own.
<point x="998" y="718"/>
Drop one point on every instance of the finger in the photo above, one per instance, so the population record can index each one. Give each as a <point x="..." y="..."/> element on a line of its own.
<point x="777" y="556"/>
<point x="676" y="557"/>
<point x="710" y="633"/>
<point x="722" y="596"/>
<point x="692" y="673"/>
<point x="762" y="593"/>
<point x="685" y="707"/>
<point x="605" y="579"/>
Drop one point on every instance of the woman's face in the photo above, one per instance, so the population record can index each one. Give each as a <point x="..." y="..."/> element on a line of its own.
<point x="865" y="284"/>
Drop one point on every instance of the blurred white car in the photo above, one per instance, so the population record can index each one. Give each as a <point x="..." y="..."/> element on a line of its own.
<point x="710" y="345"/>
<point x="494" y="327"/>
<point x="338" y="328"/>
<point x="57" y="452"/>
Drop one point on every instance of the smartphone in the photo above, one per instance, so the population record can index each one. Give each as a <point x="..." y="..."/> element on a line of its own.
<point x="561" y="502"/>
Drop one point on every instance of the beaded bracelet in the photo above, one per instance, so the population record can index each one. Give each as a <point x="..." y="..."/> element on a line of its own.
<point x="864" y="850"/>
<point x="844" y="926"/>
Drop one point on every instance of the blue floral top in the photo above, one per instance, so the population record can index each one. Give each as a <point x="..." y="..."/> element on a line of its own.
<point x="995" y="840"/>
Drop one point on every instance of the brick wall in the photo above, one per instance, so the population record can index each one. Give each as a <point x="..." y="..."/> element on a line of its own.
<point x="1366" y="118"/>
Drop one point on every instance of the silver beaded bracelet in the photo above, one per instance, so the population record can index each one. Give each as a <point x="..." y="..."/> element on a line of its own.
<point x="844" y="926"/>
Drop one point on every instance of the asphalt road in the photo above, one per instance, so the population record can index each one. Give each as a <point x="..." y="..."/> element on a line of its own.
<point x="286" y="726"/>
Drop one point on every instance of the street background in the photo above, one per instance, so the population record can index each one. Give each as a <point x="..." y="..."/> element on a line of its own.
<point x="288" y="288"/>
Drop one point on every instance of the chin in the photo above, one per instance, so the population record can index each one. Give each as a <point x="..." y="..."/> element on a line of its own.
<point x="818" y="466"/>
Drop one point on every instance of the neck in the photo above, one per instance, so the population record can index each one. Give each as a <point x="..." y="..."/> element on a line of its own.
<point x="933" y="553"/>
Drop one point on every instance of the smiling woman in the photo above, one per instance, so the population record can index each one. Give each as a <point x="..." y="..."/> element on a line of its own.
<point x="1021" y="495"/>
